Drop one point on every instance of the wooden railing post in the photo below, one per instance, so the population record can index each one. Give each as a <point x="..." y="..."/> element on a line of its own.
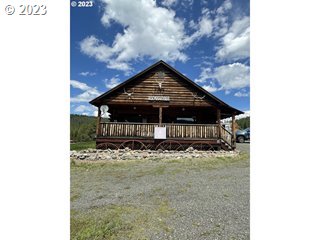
<point x="219" y="123"/>
<point x="233" y="140"/>
<point x="160" y="116"/>
<point x="98" y="132"/>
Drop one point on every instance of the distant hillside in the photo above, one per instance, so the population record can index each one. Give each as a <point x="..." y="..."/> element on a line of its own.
<point x="243" y="123"/>
<point x="82" y="128"/>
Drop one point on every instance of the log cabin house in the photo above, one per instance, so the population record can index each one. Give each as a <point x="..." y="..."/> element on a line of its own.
<point x="160" y="108"/>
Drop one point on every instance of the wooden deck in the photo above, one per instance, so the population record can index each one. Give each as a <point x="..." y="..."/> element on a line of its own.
<point x="141" y="135"/>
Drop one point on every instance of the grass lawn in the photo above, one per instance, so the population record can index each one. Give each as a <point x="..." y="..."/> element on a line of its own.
<point x="118" y="221"/>
<point x="82" y="145"/>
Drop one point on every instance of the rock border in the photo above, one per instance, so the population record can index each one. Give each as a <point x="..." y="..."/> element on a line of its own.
<point x="128" y="154"/>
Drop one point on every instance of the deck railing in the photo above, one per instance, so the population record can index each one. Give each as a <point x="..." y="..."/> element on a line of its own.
<point x="226" y="136"/>
<point x="112" y="129"/>
<point x="146" y="130"/>
<point x="197" y="131"/>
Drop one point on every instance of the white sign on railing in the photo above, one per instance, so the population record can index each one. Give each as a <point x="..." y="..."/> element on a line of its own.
<point x="160" y="133"/>
<point x="159" y="98"/>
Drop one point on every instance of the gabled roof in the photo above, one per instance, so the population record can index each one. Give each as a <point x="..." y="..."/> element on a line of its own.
<point x="222" y="104"/>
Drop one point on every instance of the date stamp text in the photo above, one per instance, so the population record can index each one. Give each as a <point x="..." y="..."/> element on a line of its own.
<point x="26" y="10"/>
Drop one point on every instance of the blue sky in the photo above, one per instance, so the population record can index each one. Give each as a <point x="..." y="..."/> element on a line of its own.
<point x="207" y="40"/>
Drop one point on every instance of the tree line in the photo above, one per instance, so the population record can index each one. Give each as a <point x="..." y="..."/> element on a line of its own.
<point x="82" y="128"/>
<point x="243" y="123"/>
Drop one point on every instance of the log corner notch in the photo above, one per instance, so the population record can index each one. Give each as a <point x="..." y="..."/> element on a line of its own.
<point x="98" y="122"/>
<point x="233" y="131"/>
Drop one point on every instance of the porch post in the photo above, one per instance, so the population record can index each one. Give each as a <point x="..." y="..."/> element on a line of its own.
<point x="233" y="131"/>
<point x="160" y="116"/>
<point x="219" y="123"/>
<point x="98" y="121"/>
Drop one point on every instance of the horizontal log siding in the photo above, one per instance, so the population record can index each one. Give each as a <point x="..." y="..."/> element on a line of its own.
<point x="179" y="91"/>
<point x="146" y="130"/>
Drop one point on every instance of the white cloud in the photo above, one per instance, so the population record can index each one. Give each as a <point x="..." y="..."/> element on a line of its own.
<point x="206" y="74"/>
<point x="220" y="21"/>
<point x="204" y="2"/>
<point x="193" y="25"/>
<point x="235" y="44"/>
<point x="204" y="28"/>
<point x="120" y="66"/>
<point x="232" y="76"/>
<point x="169" y="3"/>
<point x="90" y="110"/>
<point x="226" y="77"/>
<point x="112" y="82"/>
<point x="83" y="108"/>
<point x="209" y="88"/>
<point x="211" y="23"/>
<point x="186" y="4"/>
<point x="87" y="74"/>
<point x="241" y="93"/>
<point x="87" y="110"/>
<point x="88" y="93"/>
<point x="149" y="31"/>
<point x="225" y="6"/>
<point x="244" y="115"/>
<point x="79" y="85"/>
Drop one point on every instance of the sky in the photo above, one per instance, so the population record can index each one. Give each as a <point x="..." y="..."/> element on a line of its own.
<point x="206" y="40"/>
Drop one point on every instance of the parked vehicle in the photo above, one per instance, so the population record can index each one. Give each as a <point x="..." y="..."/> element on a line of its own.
<point x="243" y="135"/>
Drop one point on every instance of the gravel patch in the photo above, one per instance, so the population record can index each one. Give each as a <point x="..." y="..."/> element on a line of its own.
<point x="205" y="198"/>
<point x="243" y="147"/>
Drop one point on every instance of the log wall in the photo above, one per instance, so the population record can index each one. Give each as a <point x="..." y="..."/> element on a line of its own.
<point x="180" y="92"/>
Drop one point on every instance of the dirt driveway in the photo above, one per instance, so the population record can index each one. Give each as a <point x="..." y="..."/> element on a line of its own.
<point x="243" y="147"/>
<point x="162" y="199"/>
